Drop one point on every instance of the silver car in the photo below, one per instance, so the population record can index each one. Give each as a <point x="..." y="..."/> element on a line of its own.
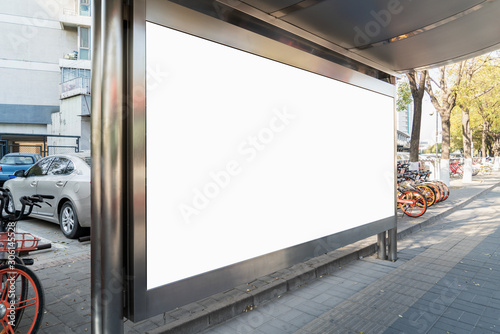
<point x="67" y="178"/>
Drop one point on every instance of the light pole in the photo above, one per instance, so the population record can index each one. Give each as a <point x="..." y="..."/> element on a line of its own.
<point x="437" y="163"/>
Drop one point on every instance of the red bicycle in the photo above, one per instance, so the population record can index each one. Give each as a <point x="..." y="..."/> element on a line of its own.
<point x="456" y="169"/>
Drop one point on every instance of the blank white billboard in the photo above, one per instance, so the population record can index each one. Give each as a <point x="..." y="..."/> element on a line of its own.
<point x="247" y="156"/>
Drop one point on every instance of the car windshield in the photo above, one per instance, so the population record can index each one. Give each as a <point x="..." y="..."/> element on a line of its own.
<point x="16" y="160"/>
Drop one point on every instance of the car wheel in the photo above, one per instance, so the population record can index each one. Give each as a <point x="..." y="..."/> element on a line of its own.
<point x="68" y="220"/>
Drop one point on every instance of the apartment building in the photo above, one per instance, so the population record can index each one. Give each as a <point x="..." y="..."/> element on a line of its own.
<point x="45" y="75"/>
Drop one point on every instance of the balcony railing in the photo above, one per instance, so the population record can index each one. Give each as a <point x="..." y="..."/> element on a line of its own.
<point x="76" y="86"/>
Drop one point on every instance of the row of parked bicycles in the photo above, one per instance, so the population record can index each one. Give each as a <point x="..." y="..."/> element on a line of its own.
<point x="457" y="169"/>
<point x="415" y="192"/>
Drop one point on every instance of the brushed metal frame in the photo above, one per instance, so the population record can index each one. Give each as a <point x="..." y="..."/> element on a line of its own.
<point x="142" y="303"/>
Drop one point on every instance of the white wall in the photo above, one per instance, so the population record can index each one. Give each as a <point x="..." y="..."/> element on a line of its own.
<point x="67" y="122"/>
<point x="21" y="128"/>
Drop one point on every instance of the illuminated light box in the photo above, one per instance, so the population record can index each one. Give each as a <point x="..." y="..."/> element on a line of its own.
<point x="247" y="156"/>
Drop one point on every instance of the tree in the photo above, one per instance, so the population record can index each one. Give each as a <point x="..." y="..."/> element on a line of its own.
<point x="466" y="96"/>
<point x="478" y="100"/>
<point x="486" y="106"/>
<point x="404" y="96"/>
<point x="417" y="88"/>
<point x="443" y="94"/>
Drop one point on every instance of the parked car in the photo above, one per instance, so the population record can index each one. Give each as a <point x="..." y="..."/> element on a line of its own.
<point x="67" y="178"/>
<point x="15" y="161"/>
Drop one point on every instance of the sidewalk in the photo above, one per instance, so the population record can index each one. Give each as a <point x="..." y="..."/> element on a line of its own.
<point x="312" y="297"/>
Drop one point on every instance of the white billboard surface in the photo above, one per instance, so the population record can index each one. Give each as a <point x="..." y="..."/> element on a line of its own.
<point x="247" y="156"/>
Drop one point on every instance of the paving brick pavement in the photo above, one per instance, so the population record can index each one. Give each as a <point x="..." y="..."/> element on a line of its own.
<point x="382" y="295"/>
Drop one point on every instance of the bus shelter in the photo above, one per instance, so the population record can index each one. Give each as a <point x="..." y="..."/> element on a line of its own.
<point x="221" y="129"/>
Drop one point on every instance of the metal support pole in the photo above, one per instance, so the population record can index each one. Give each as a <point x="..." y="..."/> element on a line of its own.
<point x="108" y="183"/>
<point x="381" y="243"/>
<point x="393" y="244"/>
<point x="95" y="117"/>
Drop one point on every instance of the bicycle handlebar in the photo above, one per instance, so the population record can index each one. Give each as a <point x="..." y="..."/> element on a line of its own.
<point x="26" y="201"/>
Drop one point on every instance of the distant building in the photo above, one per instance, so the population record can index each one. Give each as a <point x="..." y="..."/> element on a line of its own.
<point x="404" y="126"/>
<point x="403" y="142"/>
<point x="45" y="69"/>
<point x="405" y="119"/>
<point x="424" y="145"/>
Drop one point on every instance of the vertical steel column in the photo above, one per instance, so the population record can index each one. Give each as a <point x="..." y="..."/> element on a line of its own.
<point x="108" y="183"/>
<point x="392" y="233"/>
<point x="393" y="244"/>
<point x="95" y="116"/>
<point x="381" y="245"/>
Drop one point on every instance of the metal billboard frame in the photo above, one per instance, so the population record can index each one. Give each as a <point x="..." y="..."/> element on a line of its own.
<point x="145" y="303"/>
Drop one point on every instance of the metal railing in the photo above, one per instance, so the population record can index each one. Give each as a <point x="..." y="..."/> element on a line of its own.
<point x="48" y="145"/>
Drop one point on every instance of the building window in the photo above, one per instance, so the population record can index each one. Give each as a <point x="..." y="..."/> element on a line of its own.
<point x="84" y="43"/>
<point x="85" y="7"/>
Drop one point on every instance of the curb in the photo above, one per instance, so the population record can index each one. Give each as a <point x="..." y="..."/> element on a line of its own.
<point x="218" y="308"/>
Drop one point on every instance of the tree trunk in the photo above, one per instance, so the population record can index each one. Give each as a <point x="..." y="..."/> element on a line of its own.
<point x="445" y="147"/>
<point x="417" y="87"/>
<point x="483" y="141"/>
<point x="467" y="140"/>
<point x="496" y="152"/>
<point x="415" y="134"/>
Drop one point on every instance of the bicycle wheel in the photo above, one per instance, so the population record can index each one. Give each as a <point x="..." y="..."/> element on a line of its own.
<point x="445" y="188"/>
<point x="21" y="288"/>
<point x="437" y="190"/>
<point x="430" y="195"/>
<point x="413" y="203"/>
<point x="441" y="192"/>
<point x="21" y="300"/>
